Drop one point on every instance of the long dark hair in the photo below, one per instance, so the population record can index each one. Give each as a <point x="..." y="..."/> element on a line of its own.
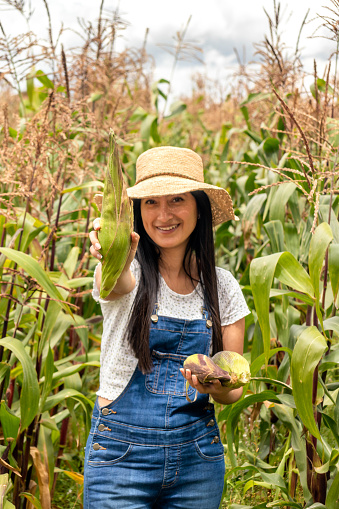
<point x="200" y="244"/>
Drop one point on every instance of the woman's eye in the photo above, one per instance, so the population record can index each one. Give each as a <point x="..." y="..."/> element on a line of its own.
<point x="177" y="199"/>
<point x="149" y="202"/>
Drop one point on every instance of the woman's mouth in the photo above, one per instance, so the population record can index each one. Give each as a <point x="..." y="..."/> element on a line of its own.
<point x="167" y="228"/>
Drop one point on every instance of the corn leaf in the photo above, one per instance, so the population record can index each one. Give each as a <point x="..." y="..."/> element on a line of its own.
<point x="306" y="354"/>
<point x="29" y="400"/>
<point x="33" y="268"/>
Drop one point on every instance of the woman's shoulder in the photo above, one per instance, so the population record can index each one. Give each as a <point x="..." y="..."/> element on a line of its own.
<point x="225" y="277"/>
<point x="232" y="303"/>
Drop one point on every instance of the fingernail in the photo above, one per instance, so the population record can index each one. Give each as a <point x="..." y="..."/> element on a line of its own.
<point x="99" y="256"/>
<point x="97" y="246"/>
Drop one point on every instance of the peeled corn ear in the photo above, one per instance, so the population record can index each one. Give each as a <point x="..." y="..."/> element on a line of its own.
<point x="205" y="369"/>
<point x="231" y="368"/>
<point x="116" y="222"/>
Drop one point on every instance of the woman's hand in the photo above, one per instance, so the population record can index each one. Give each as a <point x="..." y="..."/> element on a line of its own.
<point x="93" y="237"/>
<point x="95" y="244"/>
<point x="220" y="394"/>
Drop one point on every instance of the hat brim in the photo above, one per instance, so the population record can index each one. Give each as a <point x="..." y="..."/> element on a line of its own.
<point x="164" y="185"/>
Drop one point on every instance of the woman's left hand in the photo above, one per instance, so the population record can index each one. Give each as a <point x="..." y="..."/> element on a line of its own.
<point x="220" y="394"/>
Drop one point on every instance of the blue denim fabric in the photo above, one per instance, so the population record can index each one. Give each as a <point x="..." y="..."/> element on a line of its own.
<point x="151" y="448"/>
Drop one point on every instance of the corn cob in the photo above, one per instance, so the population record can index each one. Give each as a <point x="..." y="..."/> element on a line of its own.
<point x="116" y="222"/>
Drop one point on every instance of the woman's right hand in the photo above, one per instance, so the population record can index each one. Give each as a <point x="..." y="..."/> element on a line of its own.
<point x="93" y="237"/>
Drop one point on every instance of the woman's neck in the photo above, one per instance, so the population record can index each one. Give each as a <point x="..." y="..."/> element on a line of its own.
<point x="172" y="269"/>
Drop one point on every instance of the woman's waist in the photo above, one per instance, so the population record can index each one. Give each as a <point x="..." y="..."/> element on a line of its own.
<point x="108" y="426"/>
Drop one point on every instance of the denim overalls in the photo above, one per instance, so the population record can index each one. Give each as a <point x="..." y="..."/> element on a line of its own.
<point x="151" y="448"/>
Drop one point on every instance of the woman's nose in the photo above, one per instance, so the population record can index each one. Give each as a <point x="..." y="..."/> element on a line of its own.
<point x="165" y="212"/>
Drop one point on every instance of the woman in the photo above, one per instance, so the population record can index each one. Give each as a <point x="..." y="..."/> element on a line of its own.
<point x="149" y="447"/>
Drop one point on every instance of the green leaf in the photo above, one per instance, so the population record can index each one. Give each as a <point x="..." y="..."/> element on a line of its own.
<point x="283" y="503"/>
<point x="145" y="129"/>
<point x="138" y="114"/>
<point x="252" y="210"/>
<point x="233" y="417"/>
<point x="306" y="355"/>
<point x="238" y="506"/>
<point x="93" y="183"/>
<point x="318" y="247"/>
<point x="63" y="395"/>
<point x="321" y="86"/>
<point x="317" y="505"/>
<point x="30" y="87"/>
<point x="154" y="131"/>
<point x="48" y="378"/>
<point x="281" y="127"/>
<point x="43" y="78"/>
<point x="268" y="380"/>
<point x="176" y="108"/>
<point x="29" y="397"/>
<point x="71" y="261"/>
<point x="275" y="232"/>
<point x="253" y="136"/>
<point x="332" y="499"/>
<point x="332" y="425"/>
<point x="281" y="197"/>
<point x="291" y="273"/>
<point x="287" y="417"/>
<point x="70" y="370"/>
<point x="257" y="364"/>
<point x="51" y="317"/>
<point x="244" y="111"/>
<point x="332" y="324"/>
<point x="274" y="479"/>
<point x="276" y="292"/>
<point x="33" y="500"/>
<point x="9" y="421"/>
<point x="255" y="97"/>
<point x="271" y="146"/>
<point x="95" y="96"/>
<point x="4" y="371"/>
<point x="79" y="281"/>
<point x="33" y="268"/>
<point x="333" y="268"/>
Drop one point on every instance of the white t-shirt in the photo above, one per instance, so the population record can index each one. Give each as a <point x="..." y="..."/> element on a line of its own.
<point x="118" y="361"/>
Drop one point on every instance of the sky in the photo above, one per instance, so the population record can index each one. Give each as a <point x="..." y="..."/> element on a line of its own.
<point x="216" y="26"/>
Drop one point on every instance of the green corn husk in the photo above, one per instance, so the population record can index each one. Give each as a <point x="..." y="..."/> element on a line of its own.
<point x="236" y="365"/>
<point x="116" y="222"/>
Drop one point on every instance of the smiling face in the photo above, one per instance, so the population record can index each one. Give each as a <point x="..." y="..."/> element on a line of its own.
<point x="169" y="220"/>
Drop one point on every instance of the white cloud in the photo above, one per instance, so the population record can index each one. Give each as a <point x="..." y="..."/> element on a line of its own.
<point x="217" y="25"/>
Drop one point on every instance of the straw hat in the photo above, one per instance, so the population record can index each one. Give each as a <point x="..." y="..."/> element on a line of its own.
<point x="162" y="171"/>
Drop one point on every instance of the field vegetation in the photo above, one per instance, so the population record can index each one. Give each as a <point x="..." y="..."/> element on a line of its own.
<point x="273" y="143"/>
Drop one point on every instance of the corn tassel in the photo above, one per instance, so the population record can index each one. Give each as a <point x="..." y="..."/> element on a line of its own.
<point x="116" y="222"/>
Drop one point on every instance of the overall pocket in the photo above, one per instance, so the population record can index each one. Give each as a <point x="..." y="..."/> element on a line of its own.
<point x="107" y="451"/>
<point x="165" y="377"/>
<point x="209" y="447"/>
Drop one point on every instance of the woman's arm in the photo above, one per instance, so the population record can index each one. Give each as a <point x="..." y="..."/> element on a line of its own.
<point x="126" y="282"/>
<point x="233" y="340"/>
